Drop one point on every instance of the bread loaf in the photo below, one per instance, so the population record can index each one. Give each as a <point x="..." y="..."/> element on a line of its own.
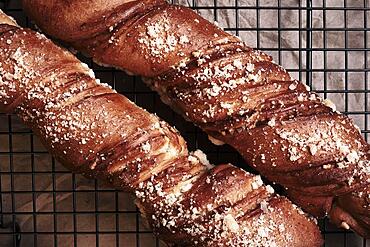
<point x="238" y="95"/>
<point x="93" y="130"/>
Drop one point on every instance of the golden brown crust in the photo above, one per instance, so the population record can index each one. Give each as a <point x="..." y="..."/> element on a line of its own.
<point x="237" y="95"/>
<point x="93" y="130"/>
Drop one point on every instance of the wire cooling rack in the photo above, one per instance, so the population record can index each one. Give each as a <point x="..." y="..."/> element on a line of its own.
<point x="42" y="204"/>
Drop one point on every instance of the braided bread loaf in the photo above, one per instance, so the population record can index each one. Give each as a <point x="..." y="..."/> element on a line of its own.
<point x="95" y="131"/>
<point x="238" y="95"/>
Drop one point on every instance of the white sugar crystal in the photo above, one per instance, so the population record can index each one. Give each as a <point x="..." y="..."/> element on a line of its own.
<point x="253" y="77"/>
<point x="146" y="147"/>
<point x="326" y="167"/>
<point x="196" y="54"/>
<point x="238" y="64"/>
<point x="264" y="206"/>
<point x="292" y="86"/>
<point x="230" y="224"/>
<point x="272" y="122"/>
<point x="344" y="148"/>
<point x="300" y="98"/>
<point x="152" y="31"/>
<point x="270" y="189"/>
<point x="257" y="182"/>
<point x="183" y="39"/>
<point x="313" y="149"/>
<point x="262" y="232"/>
<point x="353" y="157"/>
<point x="250" y="67"/>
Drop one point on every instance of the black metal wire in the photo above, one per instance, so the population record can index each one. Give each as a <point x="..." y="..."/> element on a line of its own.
<point x="365" y="68"/>
<point x="135" y="90"/>
<point x="309" y="43"/>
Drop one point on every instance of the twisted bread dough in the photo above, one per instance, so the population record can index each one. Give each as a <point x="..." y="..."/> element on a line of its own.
<point x="238" y="95"/>
<point x="93" y="130"/>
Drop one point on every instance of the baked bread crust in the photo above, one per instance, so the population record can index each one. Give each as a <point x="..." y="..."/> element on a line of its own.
<point x="238" y="95"/>
<point x="93" y="130"/>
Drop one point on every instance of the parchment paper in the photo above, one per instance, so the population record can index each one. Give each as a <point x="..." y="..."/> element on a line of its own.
<point x="108" y="202"/>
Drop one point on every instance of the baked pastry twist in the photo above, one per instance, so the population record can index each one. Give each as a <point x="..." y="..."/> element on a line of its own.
<point x="93" y="130"/>
<point x="238" y="95"/>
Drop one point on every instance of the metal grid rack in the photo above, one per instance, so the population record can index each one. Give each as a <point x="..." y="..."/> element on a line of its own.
<point x="42" y="204"/>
